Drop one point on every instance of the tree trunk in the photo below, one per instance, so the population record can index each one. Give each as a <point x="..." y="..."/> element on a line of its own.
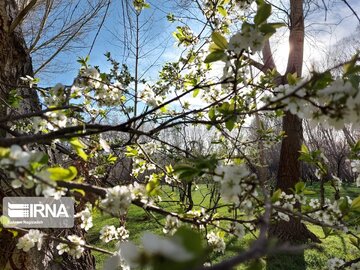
<point x="289" y="166"/>
<point x="15" y="62"/>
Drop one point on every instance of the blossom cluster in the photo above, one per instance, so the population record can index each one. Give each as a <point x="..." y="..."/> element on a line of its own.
<point x="17" y="157"/>
<point x="287" y="202"/>
<point x="117" y="200"/>
<point x="86" y="219"/>
<point x="140" y="166"/>
<point x="335" y="263"/>
<point x="22" y="160"/>
<point x="216" y="242"/>
<point x="235" y="180"/>
<point x="75" y="248"/>
<point x="29" y="240"/>
<point x="150" y="97"/>
<point x="171" y="225"/>
<point x="109" y="233"/>
<point x="331" y="213"/>
<point x="336" y="105"/>
<point x="248" y="39"/>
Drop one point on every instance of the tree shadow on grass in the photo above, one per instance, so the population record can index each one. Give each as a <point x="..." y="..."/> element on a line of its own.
<point x="286" y="262"/>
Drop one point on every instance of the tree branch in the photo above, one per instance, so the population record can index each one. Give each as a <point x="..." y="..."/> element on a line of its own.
<point x="21" y="16"/>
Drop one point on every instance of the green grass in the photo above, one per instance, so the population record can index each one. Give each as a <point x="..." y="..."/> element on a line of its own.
<point x="346" y="190"/>
<point x="138" y="221"/>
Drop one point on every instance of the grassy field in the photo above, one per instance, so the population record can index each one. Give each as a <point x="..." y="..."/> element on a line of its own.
<point x="138" y="222"/>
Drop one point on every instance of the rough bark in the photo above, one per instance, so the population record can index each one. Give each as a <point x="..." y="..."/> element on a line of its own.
<point x="15" y="62"/>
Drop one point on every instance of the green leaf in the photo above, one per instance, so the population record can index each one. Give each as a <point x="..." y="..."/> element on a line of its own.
<point x="4" y="220"/>
<point x="111" y="159"/>
<point x="80" y="191"/>
<point x="355" y="205"/>
<point x="262" y="14"/>
<point x="191" y="240"/>
<point x="356" y="147"/>
<point x="222" y="11"/>
<point x="299" y="187"/>
<point x="14" y="98"/>
<point x="83" y="61"/>
<point x="14" y="232"/>
<point x="153" y="184"/>
<point x="276" y="195"/>
<point x="186" y="171"/>
<point x="230" y="124"/>
<point x="59" y="173"/>
<point x="219" y="40"/>
<point x="214" y="48"/>
<point x="268" y="29"/>
<point x="131" y="152"/>
<point x="292" y="78"/>
<point x="344" y="206"/>
<point x="350" y="67"/>
<point x="196" y="92"/>
<point x="309" y="192"/>
<point x="4" y="152"/>
<point x="321" y="80"/>
<point x="163" y="109"/>
<point x="305" y="154"/>
<point x="79" y="148"/>
<point x="211" y="114"/>
<point x="214" y="56"/>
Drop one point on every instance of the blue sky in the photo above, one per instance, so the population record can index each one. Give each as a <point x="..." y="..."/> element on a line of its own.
<point x="159" y="46"/>
<point x="157" y="43"/>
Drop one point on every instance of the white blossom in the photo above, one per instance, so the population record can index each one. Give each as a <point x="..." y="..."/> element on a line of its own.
<point x="18" y="157"/>
<point x="108" y="233"/>
<point x="168" y="248"/>
<point x="237" y="229"/>
<point x="56" y="96"/>
<point x="149" y="96"/>
<point x="62" y="248"/>
<point x="29" y="240"/>
<point x="171" y="225"/>
<point x="116" y="262"/>
<point x="86" y="219"/>
<point x="122" y="234"/>
<point x="104" y="145"/>
<point x="117" y="200"/>
<point x="355" y="266"/>
<point x="314" y="203"/>
<point x="248" y="38"/>
<point x="91" y="76"/>
<point x="355" y="166"/>
<point x="75" y="249"/>
<point x="232" y="182"/>
<point x="216" y="242"/>
<point x="335" y="263"/>
<point x="130" y="253"/>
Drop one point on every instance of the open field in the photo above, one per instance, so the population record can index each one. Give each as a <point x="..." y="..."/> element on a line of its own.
<point x="139" y="221"/>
